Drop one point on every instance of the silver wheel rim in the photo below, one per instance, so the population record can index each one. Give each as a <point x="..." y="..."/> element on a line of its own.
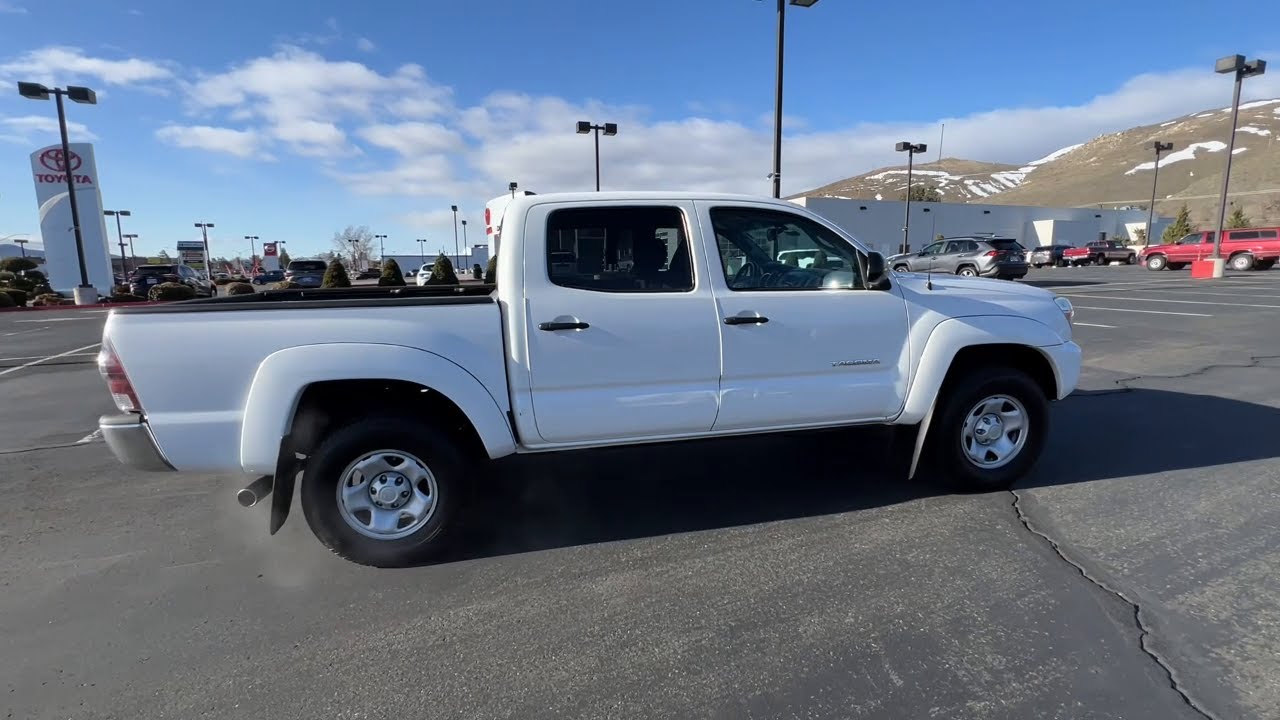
<point x="1156" y="262"/>
<point x="967" y="272"/>
<point x="387" y="495"/>
<point x="1239" y="263"/>
<point x="994" y="432"/>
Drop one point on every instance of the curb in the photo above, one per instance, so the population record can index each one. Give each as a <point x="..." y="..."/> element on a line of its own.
<point x="95" y="306"/>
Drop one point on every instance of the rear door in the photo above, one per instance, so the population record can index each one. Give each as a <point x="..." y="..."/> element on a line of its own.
<point x="622" y="334"/>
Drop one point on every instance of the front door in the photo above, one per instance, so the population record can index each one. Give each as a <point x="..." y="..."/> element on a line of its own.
<point x="801" y="346"/>
<point x="623" y="340"/>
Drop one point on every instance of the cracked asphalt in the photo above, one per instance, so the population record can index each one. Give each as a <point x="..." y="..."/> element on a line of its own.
<point x="1135" y="574"/>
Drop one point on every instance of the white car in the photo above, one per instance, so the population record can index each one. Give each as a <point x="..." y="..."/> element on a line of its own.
<point x="424" y="274"/>
<point x="640" y="331"/>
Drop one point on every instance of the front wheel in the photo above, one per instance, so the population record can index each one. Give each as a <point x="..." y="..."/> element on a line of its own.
<point x="382" y="491"/>
<point x="901" y="268"/>
<point x="1157" y="262"/>
<point x="990" y="429"/>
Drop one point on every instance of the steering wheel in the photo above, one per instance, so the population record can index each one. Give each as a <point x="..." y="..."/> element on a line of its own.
<point x="748" y="272"/>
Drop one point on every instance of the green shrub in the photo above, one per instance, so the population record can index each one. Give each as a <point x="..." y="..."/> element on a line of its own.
<point x="17" y="264"/>
<point x="6" y="301"/>
<point x="6" y="276"/>
<point x="50" y="299"/>
<point x="41" y="289"/>
<point x="391" y="275"/>
<point x="125" y="297"/>
<point x="35" y="276"/>
<point x="20" y="283"/>
<point x="223" y="281"/>
<point x="19" y="297"/>
<point x="335" y="276"/>
<point x="121" y="290"/>
<point x="171" y="291"/>
<point x="442" y="272"/>
<point x="285" y="285"/>
<point x="477" y="272"/>
<point x="491" y="271"/>
<point x="239" y="289"/>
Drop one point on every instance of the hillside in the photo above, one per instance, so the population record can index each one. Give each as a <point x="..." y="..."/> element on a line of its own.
<point x="1115" y="170"/>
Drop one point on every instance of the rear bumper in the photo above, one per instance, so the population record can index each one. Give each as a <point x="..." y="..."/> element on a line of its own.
<point x="1006" y="270"/>
<point x="132" y="443"/>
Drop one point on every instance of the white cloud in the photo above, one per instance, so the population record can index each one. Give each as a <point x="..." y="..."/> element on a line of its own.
<point x="364" y="44"/>
<point x="25" y="126"/>
<point x="414" y="138"/>
<point x="8" y="8"/>
<point x="240" y="143"/>
<point x="56" y="65"/>
<point x="429" y="219"/>
<point x="312" y="138"/>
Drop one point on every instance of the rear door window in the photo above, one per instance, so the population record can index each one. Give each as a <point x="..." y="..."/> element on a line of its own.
<point x="1243" y="235"/>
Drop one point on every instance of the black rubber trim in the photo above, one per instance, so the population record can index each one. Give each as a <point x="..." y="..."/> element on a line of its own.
<point x="325" y="298"/>
<point x="287" y="468"/>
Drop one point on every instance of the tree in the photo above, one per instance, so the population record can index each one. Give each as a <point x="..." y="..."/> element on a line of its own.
<point x="391" y="275"/>
<point x="491" y="271"/>
<point x="442" y="272"/>
<point x="1237" y="219"/>
<point x="163" y="253"/>
<point x="284" y="258"/>
<point x="17" y="264"/>
<point x="923" y="193"/>
<point x="335" y="276"/>
<point x="361" y="248"/>
<point x="1140" y="235"/>
<point x="1180" y="228"/>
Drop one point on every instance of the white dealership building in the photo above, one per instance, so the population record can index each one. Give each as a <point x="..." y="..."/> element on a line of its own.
<point x="878" y="223"/>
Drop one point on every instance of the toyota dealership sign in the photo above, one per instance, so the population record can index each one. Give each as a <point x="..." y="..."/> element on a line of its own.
<point x="49" y="169"/>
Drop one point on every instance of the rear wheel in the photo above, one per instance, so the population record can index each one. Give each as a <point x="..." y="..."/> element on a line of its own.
<point x="1243" y="261"/>
<point x="967" y="271"/>
<point x="1101" y="260"/>
<point x="1157" y="262"/>
<point x="1130" y="259"/>
<point x="990" y="429"/>
<point x="382" y="491"/>
<point x="901" y="268"/>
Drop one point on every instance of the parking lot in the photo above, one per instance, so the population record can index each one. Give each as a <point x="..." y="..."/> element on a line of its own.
<point x="1136" y="574"/>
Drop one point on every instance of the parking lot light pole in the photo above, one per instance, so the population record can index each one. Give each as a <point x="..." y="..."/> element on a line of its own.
<point x="36" y="91"/>
<point x="422" y="253"/>
<point x="1237" y="65"/>
<point x="1155" y="176"/>
<point x="22" y="245"/>
<point x="253" y="244"/>
<point x="204" y="233"/>
<point x="776" y="175"/>
<point x="124" y="267"/>
<point x="456" y="255"/>
<point x="911" y="149"/>
<point x="585" y="127"/>
<point x="131" y="237"/>
<point x="464" y="239"/>
<point x="381" y="252"/>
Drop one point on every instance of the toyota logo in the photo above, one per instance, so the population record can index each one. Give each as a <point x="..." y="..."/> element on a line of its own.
<point x="53" y="160"/>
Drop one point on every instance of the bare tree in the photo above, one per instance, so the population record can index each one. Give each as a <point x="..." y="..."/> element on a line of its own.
<point x="355" y="243"/>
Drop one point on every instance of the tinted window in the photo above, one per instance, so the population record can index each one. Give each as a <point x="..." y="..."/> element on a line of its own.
<point x="1243" y="235"/>
<point x="619" y="249"/>
<point x="1267" y="234"/>
<point x="756" y="248"/>
<point x="156" y="270"/>
<point x="933" y="249"/>
<point x="1005" y="245"/>
<point x="307" y="266"/>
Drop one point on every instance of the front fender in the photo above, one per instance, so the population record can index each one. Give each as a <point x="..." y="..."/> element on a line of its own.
<point x="952" y="335"/>
<point x="284" y="375"/>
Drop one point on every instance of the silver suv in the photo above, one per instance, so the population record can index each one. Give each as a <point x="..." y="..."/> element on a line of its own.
<point x="969" y="255"/>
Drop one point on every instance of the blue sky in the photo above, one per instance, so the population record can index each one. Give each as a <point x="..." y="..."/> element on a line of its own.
<point x="290" y="120"/>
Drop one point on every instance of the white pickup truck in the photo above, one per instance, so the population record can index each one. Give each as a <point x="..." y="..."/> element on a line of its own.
<point x="616" y="318"/>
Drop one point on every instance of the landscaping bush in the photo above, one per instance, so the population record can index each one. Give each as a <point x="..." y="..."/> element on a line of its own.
<point x="442" y="272"/>
<point x="6" y="301"/>
<point x="35" y="276"/>
<point x="335" y="276"/>
<point x="41" y="289"/>
<point x="171" y="291"/>
<point x="491" y="271"/>
<point x="19" y="297"/>
<point x="20" y="283"/>
<point x="477" y="272"/>
<point x="125" y="297"/>
<point x="49" y="299"/>
<point x="121" y="290"/>
<point x="285" y="285"/>
<point x="223" y="281"/>
<point x="391" y="275"/>
<point x="239" y="289"/>
<point x="17" y="264"/>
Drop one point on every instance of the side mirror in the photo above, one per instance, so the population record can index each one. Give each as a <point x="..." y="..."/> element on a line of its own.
<point x="876" y="278"/>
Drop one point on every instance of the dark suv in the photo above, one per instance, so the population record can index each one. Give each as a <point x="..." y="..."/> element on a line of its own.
<point x="968" y="255"/>
<point x="145" y="277"/>
<point x="307" y="273"/>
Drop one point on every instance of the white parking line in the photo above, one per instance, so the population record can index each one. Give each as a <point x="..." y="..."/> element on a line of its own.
<point x="1130" y="298"/>
<point x="38" y="357"/>
<point x="23" y="332"/>
<point x="1109" y="327"/>
<point x="47" y="359"/>
<point x="1148" y="312"/>
<point x="67" y="319"/>
<point x="95" y="435"/>
<point x="1220" y="294"/>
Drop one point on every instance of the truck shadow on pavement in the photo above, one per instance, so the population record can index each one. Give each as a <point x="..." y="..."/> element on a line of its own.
<point x="543" y="502"/>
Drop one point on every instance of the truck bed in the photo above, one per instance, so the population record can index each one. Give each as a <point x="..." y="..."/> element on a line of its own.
<point x="304" y="299"/>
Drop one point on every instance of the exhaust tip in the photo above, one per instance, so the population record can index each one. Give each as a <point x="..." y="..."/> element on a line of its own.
<point x="246" y="497"/>
<point x="254" y="492"/>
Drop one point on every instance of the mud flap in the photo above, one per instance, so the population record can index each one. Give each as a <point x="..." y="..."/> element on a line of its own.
<point x="287" y="468"/>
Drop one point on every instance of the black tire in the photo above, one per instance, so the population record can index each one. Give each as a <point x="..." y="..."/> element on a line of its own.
<point x="901" y="268"/>
<point x="1101" y="260"/>
<point x="1130" y="259"/>
<point x="967" y="271"/>
<point x="1060" y="263"/>
<point x="1241" y="262"/>
<point x="948" y="459"/>
<point x="1157" y="262"/>
<point x="343" y="446"/>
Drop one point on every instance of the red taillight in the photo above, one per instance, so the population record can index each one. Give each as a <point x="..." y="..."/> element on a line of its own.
<point x="993" y="253"/>
<point x="117" y="381"/>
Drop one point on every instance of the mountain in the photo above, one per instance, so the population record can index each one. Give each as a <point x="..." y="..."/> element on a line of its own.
<point x="15" y="250"/>
<point x="1115" y="170"/>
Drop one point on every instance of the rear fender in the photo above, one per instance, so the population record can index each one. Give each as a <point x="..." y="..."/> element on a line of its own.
<point x="284" y="375"/>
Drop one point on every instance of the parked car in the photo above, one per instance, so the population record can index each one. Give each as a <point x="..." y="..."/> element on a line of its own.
<point x="368" y="274"/>
<point x="1048" y="255"/>
<point x="267" y="277"/>
<point x="307" y="273"/>
<point x="1100" y="252"/>
<point x="423" y="274"/>
<point x="970" y="255"/>
<point x="588" y="355"/>
<point x="145" y="277"/>
<point x="1243" y="249"/>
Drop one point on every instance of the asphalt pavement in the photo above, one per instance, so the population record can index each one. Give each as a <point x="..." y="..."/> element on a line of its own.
<point x="1135" y="574"/>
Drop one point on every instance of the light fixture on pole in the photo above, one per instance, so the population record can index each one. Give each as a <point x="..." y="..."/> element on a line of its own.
<point x="131" y="237"/>
<point x="1159" y="147"/>
<point x="911" y="149"/>
<point x="585" y="127"/>
<point x="457" y="257"/>
<point x="36" y="91"/>
<point x="124" y="267"/>
<point x="22" y="245"/>
<point x="380" y="238"/>
<point x="422" y="253"/>
<point x="204" y="234"/>
<point x="253" y="249"/>
<point x="512" y="187"/>
<point x="776" y="175"/>
<point x="1241" y="68"/>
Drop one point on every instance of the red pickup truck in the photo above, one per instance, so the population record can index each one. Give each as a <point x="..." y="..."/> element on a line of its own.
<point x="1243" y="249"/>
<point x="1099" y="252"/>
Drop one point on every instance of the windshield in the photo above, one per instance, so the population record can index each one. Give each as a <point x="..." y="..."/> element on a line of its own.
<point x="307" y="266"/>
<point x="1005" y="245"/>
<point x="157" y="270"/>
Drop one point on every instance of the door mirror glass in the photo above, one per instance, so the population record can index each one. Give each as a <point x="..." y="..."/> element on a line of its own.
<point x="876" y="278"/>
